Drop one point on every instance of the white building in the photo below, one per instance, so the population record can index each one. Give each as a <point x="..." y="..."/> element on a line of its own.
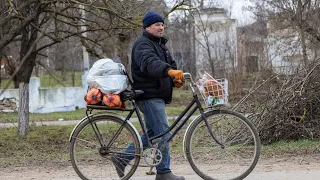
<point x="284" y="49"/>
<point x="216" y="41"/>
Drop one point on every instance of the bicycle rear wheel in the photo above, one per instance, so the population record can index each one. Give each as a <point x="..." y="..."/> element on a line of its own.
<point x="241" y="149"/>
<point x="90" y="160"/>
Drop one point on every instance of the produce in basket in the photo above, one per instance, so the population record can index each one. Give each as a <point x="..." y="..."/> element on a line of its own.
<point x="214" y="88"/>
<point x="112" y="100"/>
<point x="93" y="96"/>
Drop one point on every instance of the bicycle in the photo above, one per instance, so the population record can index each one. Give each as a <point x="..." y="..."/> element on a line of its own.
<point x="218" y="144"/>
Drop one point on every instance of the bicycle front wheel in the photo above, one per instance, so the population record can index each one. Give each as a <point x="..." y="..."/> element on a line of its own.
<point x="235" y="158"/>
<point x="91" y="158"/>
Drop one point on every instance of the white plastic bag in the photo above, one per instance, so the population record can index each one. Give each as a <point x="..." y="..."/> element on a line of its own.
<point x="108" y="76"/>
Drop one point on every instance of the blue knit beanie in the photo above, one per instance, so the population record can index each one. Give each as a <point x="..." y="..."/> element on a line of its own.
<point x="151" y="18"/>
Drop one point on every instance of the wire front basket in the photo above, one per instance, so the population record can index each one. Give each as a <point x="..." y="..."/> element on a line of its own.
<point x="214" y="91"/>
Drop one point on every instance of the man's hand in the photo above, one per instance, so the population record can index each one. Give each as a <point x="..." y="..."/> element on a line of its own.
<point x="176" y="74"/>
<point x="178" y="83"/>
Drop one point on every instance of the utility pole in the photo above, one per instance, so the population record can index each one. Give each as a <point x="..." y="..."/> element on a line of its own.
<point x="84" y="50"/>
<point x="192" y="42"/>
<point x="84" y="34"/>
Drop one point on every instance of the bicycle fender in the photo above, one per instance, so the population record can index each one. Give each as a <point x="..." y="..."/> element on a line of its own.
<point x="185" y="134"/>
<point x="85" y="119"/>
<point x="75" y="127"/>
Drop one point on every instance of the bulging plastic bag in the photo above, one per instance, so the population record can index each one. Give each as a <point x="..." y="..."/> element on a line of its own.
<point x="108" y="76"/>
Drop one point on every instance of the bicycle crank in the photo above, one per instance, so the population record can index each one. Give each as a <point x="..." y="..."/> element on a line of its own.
<point x="152" y="156"/>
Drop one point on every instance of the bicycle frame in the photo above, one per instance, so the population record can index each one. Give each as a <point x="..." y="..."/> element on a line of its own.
<point x="186" y="112"/>
<point x="153" y="140"/>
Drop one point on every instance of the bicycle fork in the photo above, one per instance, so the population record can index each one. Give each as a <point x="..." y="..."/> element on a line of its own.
<point x="210" y="129"/>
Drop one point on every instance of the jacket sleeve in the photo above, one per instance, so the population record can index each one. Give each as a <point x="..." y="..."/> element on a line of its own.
<point x="149" y="62"/>
<point x="173" y="64"/>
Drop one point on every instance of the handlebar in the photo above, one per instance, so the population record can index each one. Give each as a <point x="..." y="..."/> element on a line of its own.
<point x="189" y="77"/>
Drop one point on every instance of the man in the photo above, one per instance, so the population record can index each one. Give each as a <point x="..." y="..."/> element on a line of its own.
<point x="154" y="72"/>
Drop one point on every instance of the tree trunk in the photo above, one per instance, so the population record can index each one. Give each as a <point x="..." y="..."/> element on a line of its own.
<point x="0" y="68"/>
<point x="123" y="49"/>
<point x="304" y="47"/>
<point x="27" y="52"/>
<point x="63" y="70"/>
<point x="191" y="67"/>
<point x="23" y="111"/>
<point x="73" y="76"/>
<point x="36" y="70"/>
<point x="210" y="59"/>
<point x="302" y="34"/>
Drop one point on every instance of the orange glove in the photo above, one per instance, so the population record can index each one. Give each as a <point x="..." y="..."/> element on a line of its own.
<point x="178" y="83"/>
<point x="177" y="74"/>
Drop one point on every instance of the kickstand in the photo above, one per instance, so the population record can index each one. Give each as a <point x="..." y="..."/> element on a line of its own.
<point x="151" y="172"/>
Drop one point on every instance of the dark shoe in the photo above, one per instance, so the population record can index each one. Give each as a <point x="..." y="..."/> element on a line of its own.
<point x="168" y="176"/>
<point x="120" y="167"/>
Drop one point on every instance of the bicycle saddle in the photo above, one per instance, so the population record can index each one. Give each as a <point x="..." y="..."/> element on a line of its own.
<point x="129" y="95"/>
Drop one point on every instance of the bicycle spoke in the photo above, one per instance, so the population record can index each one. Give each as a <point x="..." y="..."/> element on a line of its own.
<point x="91" y="161"/>
<point x="238" y="156"/>
<point x="93" y="143"/>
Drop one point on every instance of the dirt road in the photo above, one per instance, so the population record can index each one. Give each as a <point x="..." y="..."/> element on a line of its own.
<point x="289" y="168"/>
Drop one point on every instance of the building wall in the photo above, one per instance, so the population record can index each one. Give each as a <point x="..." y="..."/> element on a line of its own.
<point x="284" y="50"/>
<point x="46" y="100"/>
<point x="220" y="30"/>
<point x="252" y="45"/>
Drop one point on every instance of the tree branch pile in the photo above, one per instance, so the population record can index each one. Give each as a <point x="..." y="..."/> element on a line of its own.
<point x="287" y="108"/>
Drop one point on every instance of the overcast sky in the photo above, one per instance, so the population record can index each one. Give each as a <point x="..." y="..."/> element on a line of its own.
<point x="237" y="12"/>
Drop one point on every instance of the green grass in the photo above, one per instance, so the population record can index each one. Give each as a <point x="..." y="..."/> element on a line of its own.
<point x="44" y="144"/>
<point x="49" y="145"/>
<point x="4" y="83"/>
<point x="293" y="148"/>
<point x="54" y="80"/>
<point x="72" y="115"/>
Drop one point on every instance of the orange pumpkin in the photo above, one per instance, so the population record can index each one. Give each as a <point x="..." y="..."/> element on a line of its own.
<point x="93" y="96"/>
<point x="112" y="100"/>
<point x="213" y="87"/>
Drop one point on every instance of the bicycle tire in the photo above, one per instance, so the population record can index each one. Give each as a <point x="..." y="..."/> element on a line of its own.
<point x="239" y="136"/>
<point x="85" y="155"/>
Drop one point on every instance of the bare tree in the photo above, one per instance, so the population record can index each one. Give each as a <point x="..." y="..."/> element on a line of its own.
<point x="284" y="105"/>
<point x="299" y="16"/>
<point x="181" y="35"/>
<point x="53" y="22"/>
<point x="216" y="41"/>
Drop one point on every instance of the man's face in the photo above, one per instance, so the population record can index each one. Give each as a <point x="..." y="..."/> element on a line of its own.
<point x="156" y="29"/>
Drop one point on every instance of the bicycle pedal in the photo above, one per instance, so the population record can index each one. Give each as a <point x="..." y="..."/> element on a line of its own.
<point x="151" y="173"/>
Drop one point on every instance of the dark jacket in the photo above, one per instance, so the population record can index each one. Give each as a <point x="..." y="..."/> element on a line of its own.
<point x="151" y="61"/>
